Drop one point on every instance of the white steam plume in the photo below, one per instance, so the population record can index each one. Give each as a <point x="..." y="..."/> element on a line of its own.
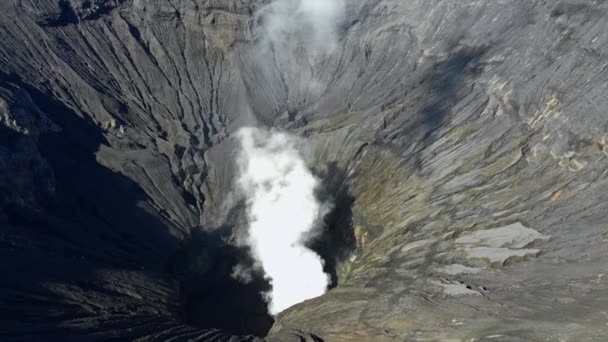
<point x="282" y="212"/>
<point x="312" y="22"/>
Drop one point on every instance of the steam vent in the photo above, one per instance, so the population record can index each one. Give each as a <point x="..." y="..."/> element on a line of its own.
<point x="303" y="170"/>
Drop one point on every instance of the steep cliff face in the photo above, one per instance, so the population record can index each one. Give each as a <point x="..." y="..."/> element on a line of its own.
<point x="465" y="145"/>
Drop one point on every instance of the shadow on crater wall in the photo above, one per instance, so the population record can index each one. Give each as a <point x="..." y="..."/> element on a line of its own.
<point x="444" y="85"/>
<point x="96" y="219"/>
<point x="446" y="79"/>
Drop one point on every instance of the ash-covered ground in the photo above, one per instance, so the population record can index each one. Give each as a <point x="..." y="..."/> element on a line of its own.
<point x="464" y="145"/>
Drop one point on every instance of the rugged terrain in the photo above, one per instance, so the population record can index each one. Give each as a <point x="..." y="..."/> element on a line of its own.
<point x="465" y="143"/>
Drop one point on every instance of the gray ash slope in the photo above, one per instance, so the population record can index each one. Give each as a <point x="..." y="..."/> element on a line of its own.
<point x="472" y="137"/>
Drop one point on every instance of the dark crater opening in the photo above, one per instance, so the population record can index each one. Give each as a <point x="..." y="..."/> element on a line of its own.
<point x="211" y="297"/>
<point x="336" y="240"/>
